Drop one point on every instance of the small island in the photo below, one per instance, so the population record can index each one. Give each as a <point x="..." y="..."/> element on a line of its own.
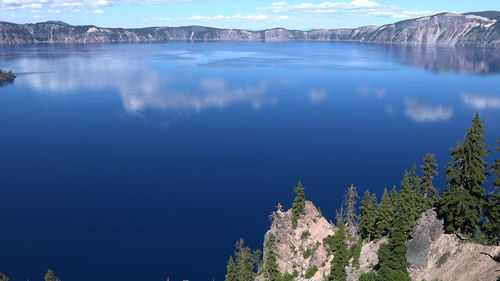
<point x="6" y="76"/>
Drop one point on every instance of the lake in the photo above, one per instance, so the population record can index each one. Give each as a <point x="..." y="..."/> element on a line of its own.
<point x="147" y="161"/>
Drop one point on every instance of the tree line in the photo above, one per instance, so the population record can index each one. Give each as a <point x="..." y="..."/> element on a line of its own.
<point x="465" y="207"/>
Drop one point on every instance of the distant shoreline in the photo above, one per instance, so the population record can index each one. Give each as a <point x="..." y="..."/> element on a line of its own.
<point x="478" y="29"/>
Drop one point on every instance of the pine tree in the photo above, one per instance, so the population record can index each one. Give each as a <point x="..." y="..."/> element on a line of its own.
<point x="299" y="204"/>
<point x="429" y="192"/>
<point x="351" y="218"/>
<point x="462" y="203"/>
<point x="341" y="255"/>
<point x="232" y="273"/>
<point x="392" y="260"/>
<point x="246" y="261"/>
<point x="492" y="225"/>
<point x="408" y="202"/>
<point x="367" y="216"/>
<point x="271" y="268"/>
<point x="496" y="168"/>
<point x="394" y="198"/>
<point x="3" y="277"/>
<point x="51" y="276"/>
<point x="384" y="216"/>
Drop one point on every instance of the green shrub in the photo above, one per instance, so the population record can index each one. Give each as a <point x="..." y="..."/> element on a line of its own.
<point x="295" y="273"/>
<point x="288" y="277"/>
<point x="305" y="234"/>
<point x="310" y="272"/>
<point x="307" y="253"/>
<point x="442" y="260"/>
<point x="368" y="276"/>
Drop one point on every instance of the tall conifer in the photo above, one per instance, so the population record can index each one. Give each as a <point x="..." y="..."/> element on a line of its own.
<point x="429" y="192"/>
<point x="462" y="203"/>
<point x="299" y="204"/>
<point x="408" y="202"/>
<point x="246" y="261"/>
<point x="384" y="216"/>
<point x="51" y="276"/>
<point x="492" y="225"/>
<point x="231" y="272"/>
<point x="341" y="255"/>
<point x="271" y="268"/>
<point x="351" y="218"/>
<point x="394" y="195"/>
<point x="367" y="216"/>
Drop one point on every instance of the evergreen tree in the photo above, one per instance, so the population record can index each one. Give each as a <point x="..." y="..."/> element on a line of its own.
<point x="384" y="216"/>
<point x="51" y="276"/>
<point x="462" y="203"/>
<point x="232" y="273"/>
<point x="392" y="260"/>
<point x="367" y="216"/>
<point x="351" y="218"/>
<point x="496" y="168"/>
<point x="271" y="268"/>
<point x="341" y="255"/>
<point x="299" y="204"/>
<point x="3" y="277"/>
<point x="246" y="261"/>
<point x="407" y="210"/>
<point x="429" y="192"/>
<point x="492" y="225"/>
<point x="394" y="195"/>
<point x="415" y="183"/>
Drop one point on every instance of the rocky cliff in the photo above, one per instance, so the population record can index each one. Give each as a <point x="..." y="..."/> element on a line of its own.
<point x="481" y="29"/>
<point x="431" y="254"/>
<point x="300" y="249"/>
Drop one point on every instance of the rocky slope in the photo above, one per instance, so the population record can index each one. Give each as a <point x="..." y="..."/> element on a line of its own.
<point x="292" y="243"/>
<point x="431" y="254"/>
<point x="481" y="29"/>
<point x="434" y="255"/>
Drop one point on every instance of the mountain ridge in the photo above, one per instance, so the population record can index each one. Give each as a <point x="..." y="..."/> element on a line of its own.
<point x="476" y="29"/>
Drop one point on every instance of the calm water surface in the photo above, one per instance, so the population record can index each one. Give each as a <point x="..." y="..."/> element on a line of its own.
<point x="142" y="162"/>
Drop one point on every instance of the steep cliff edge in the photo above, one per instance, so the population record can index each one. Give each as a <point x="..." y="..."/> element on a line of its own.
<point x="481" y="29"/>
<point x="300" y="249"/>
<point x="431" y="254"/>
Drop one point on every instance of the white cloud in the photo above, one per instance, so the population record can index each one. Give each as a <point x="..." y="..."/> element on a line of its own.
<point x="355" y="7"/>
<point x="196" y="17"/>
<point x="222" y="17"/>
<point x="98" y="12"/>
<point x="422" y="112"/>
<point x="480" y="102"/>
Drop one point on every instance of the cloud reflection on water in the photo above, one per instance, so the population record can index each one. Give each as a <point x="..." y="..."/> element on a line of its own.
<point x="480" y="102"/>
<point x="422" y="112"/>
<point x="140" y="86"/>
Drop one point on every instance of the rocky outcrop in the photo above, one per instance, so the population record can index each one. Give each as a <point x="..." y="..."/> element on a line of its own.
<point x="368" y="259"/>
<point x="427" y="230"/>
<point x="301" y="248"/>
<point x="433" y="255"/>
<point x="480" y="29"/>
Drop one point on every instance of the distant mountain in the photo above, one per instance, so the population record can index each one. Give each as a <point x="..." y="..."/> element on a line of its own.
<point x="479" y="29"/>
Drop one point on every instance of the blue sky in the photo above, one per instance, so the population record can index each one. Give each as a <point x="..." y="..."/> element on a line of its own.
<point x="250" y="14"/>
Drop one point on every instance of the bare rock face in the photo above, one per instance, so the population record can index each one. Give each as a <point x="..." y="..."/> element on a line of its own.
<point x="433" y="255"/>
<point x="292" y="243"/>
<point x="426" y="231"/>
<point x="367" y="259"/>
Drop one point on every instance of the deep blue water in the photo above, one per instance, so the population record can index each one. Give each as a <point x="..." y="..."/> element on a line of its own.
<point x="148" y="161"/>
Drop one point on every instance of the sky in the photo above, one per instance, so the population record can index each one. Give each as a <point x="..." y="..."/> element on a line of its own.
<point x="249" y="14"/>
